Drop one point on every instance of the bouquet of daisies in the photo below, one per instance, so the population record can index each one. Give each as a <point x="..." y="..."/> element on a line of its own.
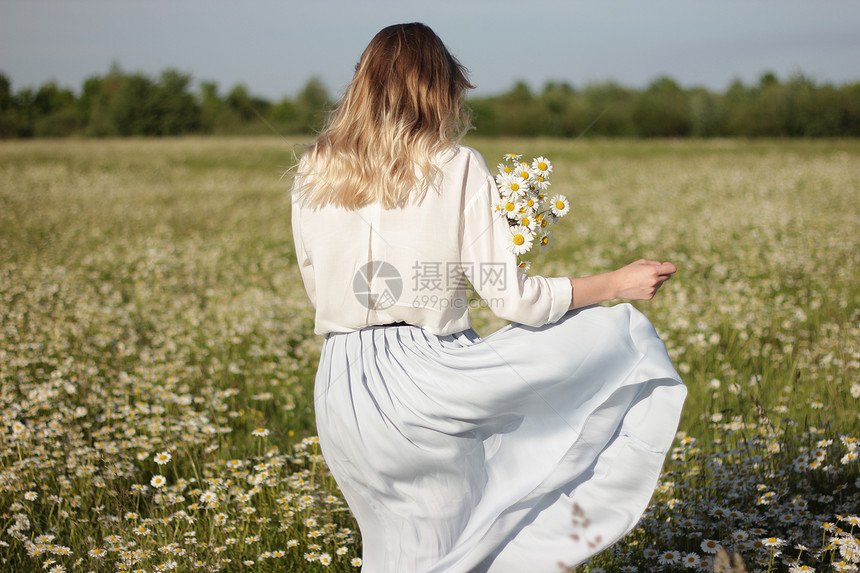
<point x="525" y="202"/>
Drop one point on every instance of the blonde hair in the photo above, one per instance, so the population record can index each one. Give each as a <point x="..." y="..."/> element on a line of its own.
<point x="404" y="105"/>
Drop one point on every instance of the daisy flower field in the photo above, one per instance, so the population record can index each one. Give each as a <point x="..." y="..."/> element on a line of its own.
<point x="157" y="350"/>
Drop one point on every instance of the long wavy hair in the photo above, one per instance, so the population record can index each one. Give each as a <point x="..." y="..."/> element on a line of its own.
<point x="404" y="106"/>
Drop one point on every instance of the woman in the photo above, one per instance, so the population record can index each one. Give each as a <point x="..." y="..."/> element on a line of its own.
<point x="537" y="445"/>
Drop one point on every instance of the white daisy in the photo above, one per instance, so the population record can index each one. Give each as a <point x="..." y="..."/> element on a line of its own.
<point x="545" y="241"/>
<point x="527" y="221"/>
<point x="774" y="542"/>
<point x="669" y="557"/>
<point x="543" y="222"/>
<point x="524" y="172"/>
<point x="542" y="166"/>
<point x="158" y="481"/>
<point x="531" y="202"/>
<point x="520" y="240"/>
<point x="512" y="186"/>
<point x="560" y="206"/>
<point x="690" y="560"/>
<point x="162" y="458"/>
<point x="512" y="209"/>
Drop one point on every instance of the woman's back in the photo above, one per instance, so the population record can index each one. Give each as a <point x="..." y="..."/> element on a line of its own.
<point x="457" y="453"/>
<point x="372" y="265"/>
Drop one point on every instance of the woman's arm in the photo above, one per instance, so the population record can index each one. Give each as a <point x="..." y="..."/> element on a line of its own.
<point x="636" y="281"/>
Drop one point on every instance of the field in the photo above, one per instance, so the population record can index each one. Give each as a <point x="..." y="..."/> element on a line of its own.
<point x="157" y="353"/>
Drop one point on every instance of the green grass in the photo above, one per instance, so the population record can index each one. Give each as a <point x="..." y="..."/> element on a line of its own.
<point x="149" y="302"/>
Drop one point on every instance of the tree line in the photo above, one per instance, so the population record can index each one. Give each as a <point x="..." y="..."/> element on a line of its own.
<point x="135" y="104"/>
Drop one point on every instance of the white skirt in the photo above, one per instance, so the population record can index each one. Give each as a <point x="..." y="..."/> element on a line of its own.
<point x="515" y="452"/>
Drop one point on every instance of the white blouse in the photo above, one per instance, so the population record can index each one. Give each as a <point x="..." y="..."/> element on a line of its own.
<point x="375" y="266"/>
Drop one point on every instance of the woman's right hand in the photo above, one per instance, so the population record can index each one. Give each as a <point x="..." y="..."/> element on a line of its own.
<point x="637" y="281"/>
<point x="640" y="279"/>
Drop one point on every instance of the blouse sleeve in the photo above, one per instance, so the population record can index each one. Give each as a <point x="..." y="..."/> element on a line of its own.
<point x="492" y="268"/>
<point x="303" y="258"/>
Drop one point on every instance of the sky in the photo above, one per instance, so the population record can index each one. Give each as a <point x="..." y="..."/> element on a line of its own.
<point x="275" y="47"/>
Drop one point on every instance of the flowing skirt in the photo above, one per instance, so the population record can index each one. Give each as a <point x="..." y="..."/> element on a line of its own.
<point x="517" y="452"/>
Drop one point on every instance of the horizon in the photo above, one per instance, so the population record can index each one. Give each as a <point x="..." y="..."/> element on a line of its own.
<point x="275" y="47"/>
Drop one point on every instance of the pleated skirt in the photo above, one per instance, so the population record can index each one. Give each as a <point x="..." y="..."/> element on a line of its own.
<point x="516" y="452"/>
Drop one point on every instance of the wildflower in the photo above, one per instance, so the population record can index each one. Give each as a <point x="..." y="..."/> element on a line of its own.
<point x="520" y="240"/>
<point x="650" y="553"/>
<point x="545" y="241"/>
<point x="325" y="559"/>
<point x="718" y="511"/>
<point x="356" y="562"/>
<point x="773" y="542"/>
<point x="710" y="546"/>
<point x="60" y="550"/>
<point x="158" y="481"/>
<point x="31" y="496"/>
<point x="669" y="557"/>
<point x="524" y="172"/>
<point x="162" y="458"/>
<point x="560" y="206"/>
<point x="690" y="560"/>
<point x="541" y="183"/>
<point x="260" y="432"/>
<point x="542" y="166"/>
<point x="512" y="186"/>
